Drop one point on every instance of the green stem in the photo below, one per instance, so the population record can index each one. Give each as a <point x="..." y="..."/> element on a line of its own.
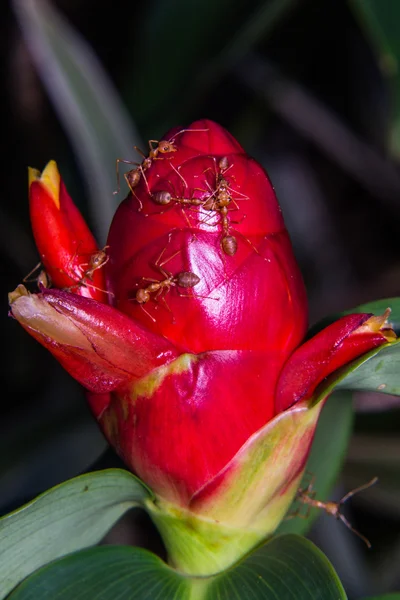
<point x="199" y="546"/>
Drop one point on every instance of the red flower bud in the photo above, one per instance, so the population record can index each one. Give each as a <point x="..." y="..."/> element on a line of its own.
<point x="250" y="295"/>
<point x="195" y="369"/>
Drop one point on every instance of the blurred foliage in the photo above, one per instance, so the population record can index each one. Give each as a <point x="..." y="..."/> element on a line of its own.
<point x="381" y="21"/>
<point x="311" y="89"/>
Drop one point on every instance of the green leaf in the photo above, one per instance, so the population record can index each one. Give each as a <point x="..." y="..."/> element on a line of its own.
<point x="98" y="125"/>
<point x="327" y="456"/>
<point x="380" y="20"/>
<point x="286" y="568"/>
<point x="378" y="371"/>
<point x="376" y="307"/>
<point x="70" y="516"/>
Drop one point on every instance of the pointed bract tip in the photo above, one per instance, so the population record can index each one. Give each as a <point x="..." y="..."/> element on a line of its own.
<point x="49" y="179"/>
<point x="19" y="291"/>
<point x="379" y="324"/>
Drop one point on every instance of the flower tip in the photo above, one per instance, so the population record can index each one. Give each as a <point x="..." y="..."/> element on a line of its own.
<point x="49" y="179"/>
<point x="33" y="175"/>
<point x="379" y="324"/>
<point x="19" y="291"/>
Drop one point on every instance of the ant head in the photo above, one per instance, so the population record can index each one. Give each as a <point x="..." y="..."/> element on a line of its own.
<point x="165" y="146"/>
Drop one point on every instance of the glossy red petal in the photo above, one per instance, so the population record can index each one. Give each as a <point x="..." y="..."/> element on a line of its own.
<point x="258" y="288"/>
<point x="98" y="345"/>
<point x="179" y="431"/>
<point x="64" y="241"/>
<point x="333" y="347"/>
<point x="204" y="136"/>
<point x="262" y="293"/>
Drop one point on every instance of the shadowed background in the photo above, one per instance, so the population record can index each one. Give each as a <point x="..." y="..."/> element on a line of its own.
<point x="311" y="90"/>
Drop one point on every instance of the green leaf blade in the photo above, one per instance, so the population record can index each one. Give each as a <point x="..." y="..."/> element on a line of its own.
<point x="102" y="573"/>
<point x="71" y="516"/>
<point x="286" y="568"/>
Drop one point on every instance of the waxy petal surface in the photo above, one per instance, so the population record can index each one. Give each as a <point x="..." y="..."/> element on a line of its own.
<point x="332" y="348"/>
<point x="258" y="288"/>
<point x="179" y="427"/>
<point x="98" y="345"/>
<point x="64" y="241"/>
<point x="257" y="487"/>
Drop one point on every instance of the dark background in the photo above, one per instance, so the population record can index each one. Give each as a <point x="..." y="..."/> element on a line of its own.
<point x="313" y="96"/>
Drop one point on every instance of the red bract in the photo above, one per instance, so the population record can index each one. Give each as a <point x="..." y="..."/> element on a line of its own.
<point x="67" y="248"/>
<point x="189" y="339"/>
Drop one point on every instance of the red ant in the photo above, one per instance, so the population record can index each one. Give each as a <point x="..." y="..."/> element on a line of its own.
<point x="221" y="203"/>
<point x="96" y="261"/>
<point x="184" y="279"/>
<point x="133" y="176"/>
<point x="307" y="496"/>
<point x="164" y="198"/>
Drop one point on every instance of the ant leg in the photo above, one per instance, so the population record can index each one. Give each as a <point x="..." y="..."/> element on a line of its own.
<point x="139" y="151"/>
<point x="361" y="488"/>
<point x="26" y="278"/>
<point x="194" y="295"/>
<point x="161" y="294"/>
<point x="357" y="533"/>
<point x="125" y="162"/>
<point x="179" y="175"/>
<point x="147" y="313"/>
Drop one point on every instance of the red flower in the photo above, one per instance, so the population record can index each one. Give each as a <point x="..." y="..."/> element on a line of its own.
<point x="188" y="338"/>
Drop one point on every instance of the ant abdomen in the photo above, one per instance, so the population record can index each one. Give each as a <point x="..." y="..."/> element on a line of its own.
<point x="229" y="245"/>
<point x="187" y="279"/>
<point x="162" y="198"/>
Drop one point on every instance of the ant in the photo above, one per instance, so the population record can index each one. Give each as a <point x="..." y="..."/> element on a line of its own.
<point x="96" y="261"/>
<point x="133" y="176"/>
<point x="221" y="204"/>
<point x="184" y="279"/>
<point x="164" y="198"/>
<point x="219" y="201"/>
<point x="307" y="496"/>
<point x="42" y="280"/>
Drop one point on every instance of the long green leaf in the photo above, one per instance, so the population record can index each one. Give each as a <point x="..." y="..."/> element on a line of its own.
<point x="99" y="127"/>
<point x="287" y="568"/>
<point x="70" y="516"/>
<point x="376" y="371"/>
